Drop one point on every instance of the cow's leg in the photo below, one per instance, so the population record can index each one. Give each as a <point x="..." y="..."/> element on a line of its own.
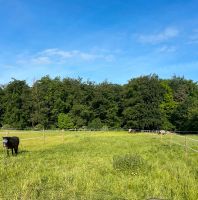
<point x="16" y="150"/>
<point x="12" y="151"/>
<point x="8" y="152"/>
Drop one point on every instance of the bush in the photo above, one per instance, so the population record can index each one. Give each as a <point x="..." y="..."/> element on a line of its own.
<point x="83" y="128"/>
<point x="95" y="124"/>
<point x="65" y="121"/>
<point x="6" y="126"/>
<point x="105" y="128"/>
<point x="132" y="163"/>
<point x="38" y="127"/>
<point x="53" y="127"/>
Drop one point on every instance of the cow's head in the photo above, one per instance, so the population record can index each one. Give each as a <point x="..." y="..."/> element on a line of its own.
<point x="5" y="141"/>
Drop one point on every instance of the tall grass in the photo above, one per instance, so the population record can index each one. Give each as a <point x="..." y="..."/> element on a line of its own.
<point x="100" y="165"/>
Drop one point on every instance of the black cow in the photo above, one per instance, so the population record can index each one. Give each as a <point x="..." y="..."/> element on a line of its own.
<point x="11" y="143"/>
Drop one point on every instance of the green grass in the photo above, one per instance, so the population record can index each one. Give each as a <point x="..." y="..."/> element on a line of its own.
<point x="98" y="165"/>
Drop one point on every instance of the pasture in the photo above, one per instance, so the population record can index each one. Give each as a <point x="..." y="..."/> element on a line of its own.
<point x="99" y="165"/>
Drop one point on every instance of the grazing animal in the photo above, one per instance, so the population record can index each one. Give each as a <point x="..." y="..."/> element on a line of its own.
<point x="163" y="132"/>
<point x="132" y="130"/>
<point x="11" y="143"/>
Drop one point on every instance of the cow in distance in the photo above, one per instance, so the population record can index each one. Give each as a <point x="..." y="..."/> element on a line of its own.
<point x="11" y="143"/>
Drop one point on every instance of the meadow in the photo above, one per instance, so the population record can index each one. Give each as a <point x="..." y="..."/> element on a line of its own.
<point x="99" y="166"/>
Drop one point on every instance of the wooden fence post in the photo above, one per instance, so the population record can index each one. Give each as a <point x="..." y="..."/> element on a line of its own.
<point x="186" y="147"/>
<point x="43" y="136"/>
<point x="171" y="138"/>
<point x="62" y="137"/>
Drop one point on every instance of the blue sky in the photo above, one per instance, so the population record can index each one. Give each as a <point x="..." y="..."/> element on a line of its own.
<point x="113" y="40"/>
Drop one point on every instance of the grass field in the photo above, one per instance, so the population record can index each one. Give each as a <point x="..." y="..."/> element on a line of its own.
<point x="99" y="165"/>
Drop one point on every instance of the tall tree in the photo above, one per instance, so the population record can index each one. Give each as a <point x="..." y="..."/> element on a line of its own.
<point x="167" y="106"/>
<point x="48" y="101"/>
<point x="146" y="102"/>
<point x="185" y="115"/>
<point x="142" y="103"/>
<point x="17" y="104"/>
<point x="106" y="102"/>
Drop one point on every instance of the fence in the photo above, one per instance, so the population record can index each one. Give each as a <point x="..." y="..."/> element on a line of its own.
<point x="186" y="143"/>
<point x="179" y="134"/>
<point x="184" y="140"/>
<point x="41" y="138"/>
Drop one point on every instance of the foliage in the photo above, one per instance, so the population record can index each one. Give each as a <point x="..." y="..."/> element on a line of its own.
<point x="167" y="107"/>
<point x="142" y="98"/>
<point x="17" y="104"/>
<point x="95" y="124"/>
<point x="6" y="126"/>
<point x="65" y="121"/>
<point x="146" y="102"/>
<point x="38" y="127"/>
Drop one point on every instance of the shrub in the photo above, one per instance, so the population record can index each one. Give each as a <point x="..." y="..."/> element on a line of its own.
<point x="65" y="121"/>
<point x="6" y="126"/>
<point x="38" y="127"/>
<point x="105" y="128"/>
<point x="53" y="127"/>
<point x="129" y="162"/>
<point x="95" y="124"/>
<point x="83" y="128"/>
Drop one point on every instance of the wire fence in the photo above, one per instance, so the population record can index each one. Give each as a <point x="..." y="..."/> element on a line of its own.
<point x="186" y="144"/>
<point x="43" y="136"/>
<point x="183" y="139"/>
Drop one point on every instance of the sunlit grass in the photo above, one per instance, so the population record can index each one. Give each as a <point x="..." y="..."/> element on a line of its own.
<point x="98" y="165"/>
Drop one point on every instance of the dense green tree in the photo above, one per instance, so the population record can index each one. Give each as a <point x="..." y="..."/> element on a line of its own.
<point x="106" y="104"/>
<point x="142" y="98"/>
<point x="17" y="104"/>
<point x="41" y="102"/>
<point x="81" y="115"/>
<point x="181" y="88"/>
<point x="48" y="101"/>
<point x="186" y="96"/>
<point x="146" y="102"/>
<point x="95" y="124"/>
<point x="65" y="121"/>
<point x="185" y="115"/>
<point x="167" y="106"/>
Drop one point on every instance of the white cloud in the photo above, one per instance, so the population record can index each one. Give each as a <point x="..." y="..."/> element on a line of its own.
<point x="166" y="49"/>
<point x="57" y="52"/>
<point x="193" y="39"/>
<point x="41" y="60"/>
<point x="163" y="36"/>
<point x="88" y="56"/>
<point x="58" y="56"/>
<point x="61" y="55"/>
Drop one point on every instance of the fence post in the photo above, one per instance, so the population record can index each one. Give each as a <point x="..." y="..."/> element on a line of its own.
<point x="62" y="136"/>
<point x="186" y="147"/>
<point x="43" y="136"/>
<point x="171" y="138"/>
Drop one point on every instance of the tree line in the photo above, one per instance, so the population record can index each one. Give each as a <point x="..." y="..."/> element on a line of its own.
<point x="147" y="102"/>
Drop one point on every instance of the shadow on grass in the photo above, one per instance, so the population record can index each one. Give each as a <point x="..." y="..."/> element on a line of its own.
<point x="9" y="153"/>
<point x="23" y="151"/>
